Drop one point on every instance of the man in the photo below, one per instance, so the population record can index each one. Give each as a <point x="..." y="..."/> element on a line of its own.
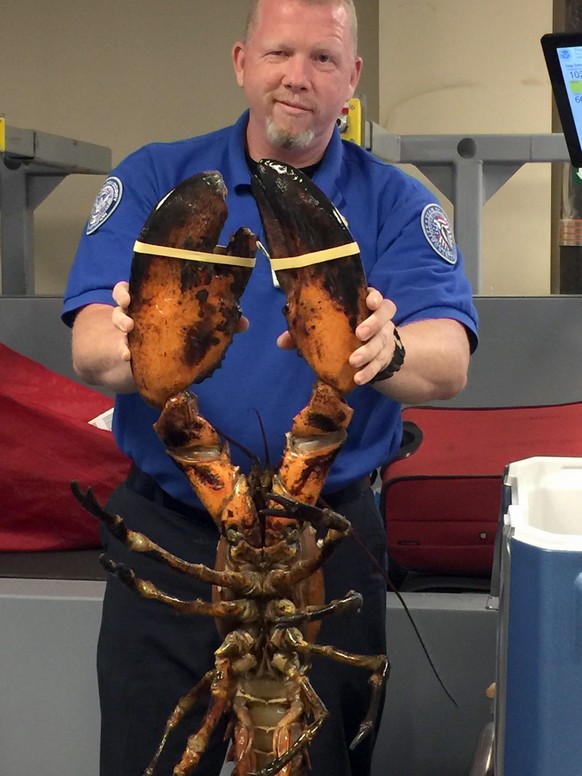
<point x="297" y="65"/>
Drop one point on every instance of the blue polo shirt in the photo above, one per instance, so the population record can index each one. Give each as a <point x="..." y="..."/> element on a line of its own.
<point x="408" y="254"/>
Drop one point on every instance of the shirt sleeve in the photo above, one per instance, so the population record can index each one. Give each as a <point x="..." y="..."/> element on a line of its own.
<point x="418" y="264"/>
<point x="105" y="250"/>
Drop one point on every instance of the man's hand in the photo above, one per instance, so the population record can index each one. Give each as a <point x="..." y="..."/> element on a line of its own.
<point x="124" y="323"/>
<point x="377" y="334"/>
<point x="119" y="317"/>
<point x="437" y="354"/>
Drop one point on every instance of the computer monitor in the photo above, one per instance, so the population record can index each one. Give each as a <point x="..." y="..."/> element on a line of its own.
<point x="563" y="54"/>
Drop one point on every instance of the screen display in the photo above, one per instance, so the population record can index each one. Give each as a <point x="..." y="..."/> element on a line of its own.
<point x="563" y="53"/>
<point x="570" y="59"/>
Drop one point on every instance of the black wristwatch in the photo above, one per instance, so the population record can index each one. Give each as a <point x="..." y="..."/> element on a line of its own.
<point x="396" y="362"/>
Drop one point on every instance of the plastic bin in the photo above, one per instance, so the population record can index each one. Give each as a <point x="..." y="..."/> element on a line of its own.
<point x="538" y="714"/>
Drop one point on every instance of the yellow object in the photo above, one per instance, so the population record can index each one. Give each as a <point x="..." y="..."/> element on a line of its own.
<point x="182" y="253"/>
<point x="316" y="257"/>
<point x="2" y="134"/>
<point x="351" y="122"/>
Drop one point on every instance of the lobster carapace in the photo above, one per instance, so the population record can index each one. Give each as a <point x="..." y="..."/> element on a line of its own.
<point x="268" y="595"/>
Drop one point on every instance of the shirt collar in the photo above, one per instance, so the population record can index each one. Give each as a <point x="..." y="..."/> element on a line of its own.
<point x="326" y="177"/>
<point x="241" y="175"/>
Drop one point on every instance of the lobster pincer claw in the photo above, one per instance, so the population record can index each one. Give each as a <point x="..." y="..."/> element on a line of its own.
<point x="318" y="517"/>
<point x="88" y="500"/>
<point x="125" y="574"/>
<point x="352" y="602"/>
<point x="317" y="264"/>
<point x="185" y="289"/>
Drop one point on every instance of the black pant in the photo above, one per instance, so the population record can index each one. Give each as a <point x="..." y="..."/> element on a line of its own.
<point x="149" y="656"/>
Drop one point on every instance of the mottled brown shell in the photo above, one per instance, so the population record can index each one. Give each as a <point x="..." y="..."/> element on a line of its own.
<point x="185" y="311"/>
<point x="325" y="301"/>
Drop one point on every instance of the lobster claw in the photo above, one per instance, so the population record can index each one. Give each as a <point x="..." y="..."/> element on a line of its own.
<point x="184" y="290"/>
<point x="318" y="266"/>
<point x="318" y="517"/>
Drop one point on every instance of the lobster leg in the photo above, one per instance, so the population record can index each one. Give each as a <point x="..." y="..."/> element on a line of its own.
<point x="184" y="705"/>
<point x="242" y="750"/>
<point x="338" y="527"/>
<point x="242" y="609"/>
<point x="233" y="656"/>
<point x="318" y="517"/>
<point x="379" y="665"/>
<point x="283" y="735"/>
<point x="138" y="542"/>
<point x="350" y="603"/>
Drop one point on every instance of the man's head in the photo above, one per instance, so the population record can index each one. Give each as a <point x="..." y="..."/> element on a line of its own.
<point x="297" y="65"/>
<point x="349" y="6"/>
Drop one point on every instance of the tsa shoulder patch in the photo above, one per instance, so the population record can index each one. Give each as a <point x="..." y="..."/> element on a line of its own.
<point x="439" y="232"/>
<point x="105" y="204"/>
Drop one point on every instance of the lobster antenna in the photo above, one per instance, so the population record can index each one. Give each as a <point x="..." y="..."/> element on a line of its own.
<point x="254" y="458"/>
<point x="398" y="594"/>
<point x="264" y="435"/>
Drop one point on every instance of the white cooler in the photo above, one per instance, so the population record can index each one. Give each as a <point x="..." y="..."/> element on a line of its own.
<point x="538" y="714"/>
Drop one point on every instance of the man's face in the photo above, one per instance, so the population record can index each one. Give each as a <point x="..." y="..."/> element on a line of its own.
<point x="297" y="70"/>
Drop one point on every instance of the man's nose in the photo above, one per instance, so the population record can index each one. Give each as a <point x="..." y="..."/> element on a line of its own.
<point x="297" y="72"/>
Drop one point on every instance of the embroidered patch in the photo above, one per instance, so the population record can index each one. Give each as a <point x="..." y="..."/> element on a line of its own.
<point x="439" y="232"/>
<point x="107" y="201"/>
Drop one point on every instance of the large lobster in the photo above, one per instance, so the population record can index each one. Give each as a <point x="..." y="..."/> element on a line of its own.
<point x="267" y="590"/>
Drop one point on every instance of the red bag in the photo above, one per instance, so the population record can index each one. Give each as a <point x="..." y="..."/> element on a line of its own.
<point x="46" y="442"/>
<point x="441" y="504"/>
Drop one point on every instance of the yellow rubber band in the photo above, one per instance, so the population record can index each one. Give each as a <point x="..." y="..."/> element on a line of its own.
<point x="329" y="254"/>
<point x="182" y="253"/>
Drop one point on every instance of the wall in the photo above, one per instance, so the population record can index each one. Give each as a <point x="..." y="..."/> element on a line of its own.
<point x="121" y="74"/>
<point x="475" y="66"/>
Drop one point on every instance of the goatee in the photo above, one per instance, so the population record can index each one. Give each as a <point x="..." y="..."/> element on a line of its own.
<point x="285" y="138"/>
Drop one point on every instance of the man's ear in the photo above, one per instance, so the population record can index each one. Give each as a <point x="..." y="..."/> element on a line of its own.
<point x="238" y="61"/>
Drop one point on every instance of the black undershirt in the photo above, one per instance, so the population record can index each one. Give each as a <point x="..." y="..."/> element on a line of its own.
<point x="310" y="170"/>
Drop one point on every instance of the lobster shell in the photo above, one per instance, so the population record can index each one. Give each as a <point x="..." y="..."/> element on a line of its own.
<point x="185" y="310"/>
<point x="326" y="299"/>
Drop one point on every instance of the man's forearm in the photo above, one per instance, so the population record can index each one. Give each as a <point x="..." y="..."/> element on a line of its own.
<point x="99" y="350"/>
<point x="435" y="365"/>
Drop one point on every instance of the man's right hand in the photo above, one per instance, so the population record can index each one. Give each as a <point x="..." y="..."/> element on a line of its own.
<point x="119" y="317"/>
<point x="101" y="354"/>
